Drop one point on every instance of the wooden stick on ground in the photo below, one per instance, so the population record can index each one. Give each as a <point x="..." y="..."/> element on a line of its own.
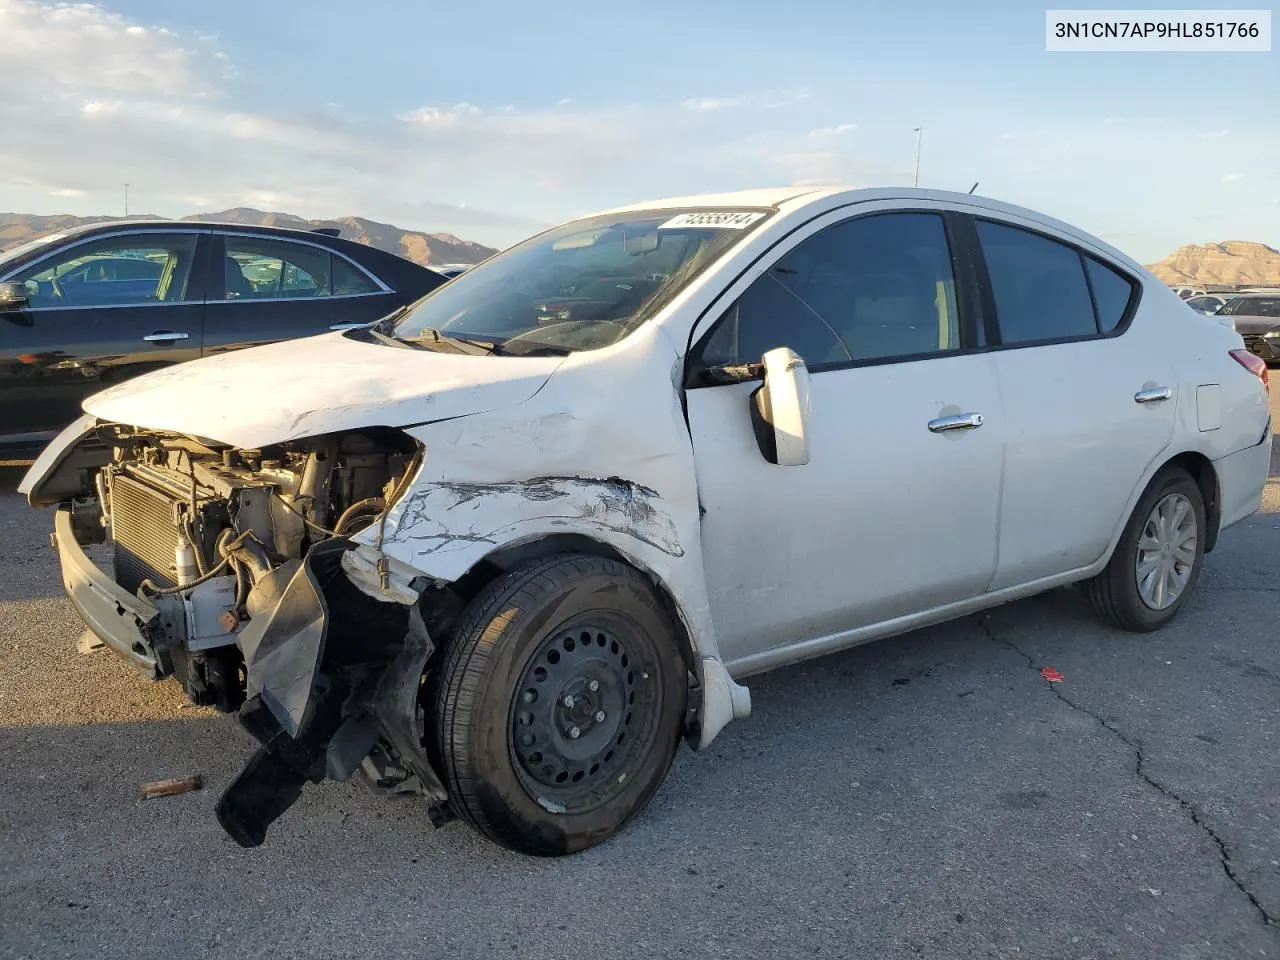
<point x="168" y="788"/>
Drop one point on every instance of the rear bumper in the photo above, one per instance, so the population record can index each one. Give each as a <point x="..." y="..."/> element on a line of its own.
<point x="1242" y="476"/>
<point x="116" y="617"/>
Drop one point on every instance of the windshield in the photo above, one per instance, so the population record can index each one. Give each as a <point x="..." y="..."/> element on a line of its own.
<point x="1253" y="307"/>
<point x="580" y="286"/>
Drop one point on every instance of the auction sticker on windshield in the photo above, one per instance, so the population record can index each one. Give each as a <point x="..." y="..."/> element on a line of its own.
<point x="714" y="221"/>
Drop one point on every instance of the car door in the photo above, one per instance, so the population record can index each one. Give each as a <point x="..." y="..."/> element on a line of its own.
<point x="896" y="511"/>
<point x="1089" y="401"/>
<point x="266" y="289"/>
<point x="98" y="311"/>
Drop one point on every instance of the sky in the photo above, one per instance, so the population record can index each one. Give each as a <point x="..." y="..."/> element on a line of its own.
<point x="495" y="118"/>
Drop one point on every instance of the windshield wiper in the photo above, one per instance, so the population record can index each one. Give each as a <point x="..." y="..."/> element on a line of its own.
<point x="527" y="348"/>
<point x="386" y="324"/>
<point x="429" y="338"/>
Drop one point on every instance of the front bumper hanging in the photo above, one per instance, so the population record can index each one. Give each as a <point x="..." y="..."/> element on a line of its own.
<point x="114" y="615"/>
<point x="331" y="672"/>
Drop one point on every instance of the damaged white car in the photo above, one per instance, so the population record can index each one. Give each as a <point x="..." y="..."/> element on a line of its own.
<point x="507" y="548"/>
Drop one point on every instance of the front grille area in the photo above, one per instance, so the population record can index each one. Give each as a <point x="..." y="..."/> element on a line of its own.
<point x="142" y="527"/>
<point x="1252" y="343"/>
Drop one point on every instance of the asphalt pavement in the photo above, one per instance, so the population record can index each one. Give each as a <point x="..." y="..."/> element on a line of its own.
<point x="926" y="796"/>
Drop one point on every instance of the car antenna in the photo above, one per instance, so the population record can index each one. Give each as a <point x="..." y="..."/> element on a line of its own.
<point x="974" y="187"/>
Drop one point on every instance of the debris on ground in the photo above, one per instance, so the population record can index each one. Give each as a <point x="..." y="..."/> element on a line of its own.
<point x="1052" y="675"/>
<point x="169" y="788"/>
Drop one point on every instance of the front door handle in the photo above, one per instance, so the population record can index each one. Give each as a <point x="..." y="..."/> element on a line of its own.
<point x="164" y="336"/>
<point x="1154" y="395"/>
<point x="346" y="326"/>
<point x="961" y="421"/>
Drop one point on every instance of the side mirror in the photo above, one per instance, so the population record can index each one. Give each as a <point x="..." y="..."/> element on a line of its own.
<point x="13" y="296"/>
<point x="780" y="408"/>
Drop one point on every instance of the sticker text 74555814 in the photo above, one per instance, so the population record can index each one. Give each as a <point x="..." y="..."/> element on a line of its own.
<point x="727" y="220"/>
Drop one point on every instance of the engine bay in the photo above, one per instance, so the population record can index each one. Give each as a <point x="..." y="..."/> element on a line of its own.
<point x="194" y="527"/>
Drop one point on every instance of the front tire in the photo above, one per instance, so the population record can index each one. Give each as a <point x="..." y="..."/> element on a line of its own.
<point x="560" y="705"/>
<point x="1158" y="559"/>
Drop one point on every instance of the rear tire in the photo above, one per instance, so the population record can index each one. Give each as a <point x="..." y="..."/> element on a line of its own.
<point x="560" y="704"/>
<point x="1156" y="563"/>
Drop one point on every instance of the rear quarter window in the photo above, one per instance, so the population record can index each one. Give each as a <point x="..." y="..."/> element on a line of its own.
<point x="1112" y="294"/>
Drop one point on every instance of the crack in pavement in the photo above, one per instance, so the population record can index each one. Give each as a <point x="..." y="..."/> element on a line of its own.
<point x="1140" y="771"/>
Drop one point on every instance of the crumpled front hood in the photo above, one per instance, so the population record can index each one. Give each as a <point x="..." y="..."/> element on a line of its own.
<point x="303" y="388"/>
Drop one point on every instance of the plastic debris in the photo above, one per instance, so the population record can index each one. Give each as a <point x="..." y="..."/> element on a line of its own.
<point x="1052" y="675"/>
<point x="168" y="788"/>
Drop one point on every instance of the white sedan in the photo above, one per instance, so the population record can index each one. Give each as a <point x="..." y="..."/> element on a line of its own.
<point x="506" y="548"/>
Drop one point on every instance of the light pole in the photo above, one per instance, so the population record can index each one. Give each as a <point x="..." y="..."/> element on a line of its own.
<point x="126" y="200"/>
<point x="919" y="132"/>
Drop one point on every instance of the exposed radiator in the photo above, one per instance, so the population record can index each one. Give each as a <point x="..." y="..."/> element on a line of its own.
<point x="145" y="536"/>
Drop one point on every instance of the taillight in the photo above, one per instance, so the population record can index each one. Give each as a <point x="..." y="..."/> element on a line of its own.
<point x="1254" y="364"/>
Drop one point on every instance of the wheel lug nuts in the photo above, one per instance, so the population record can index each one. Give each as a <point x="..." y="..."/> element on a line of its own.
<point x="574" y="733"/>
<point x="593" y="686"/>
<point x="600" y="716"/>
<point x="568" y="701"/>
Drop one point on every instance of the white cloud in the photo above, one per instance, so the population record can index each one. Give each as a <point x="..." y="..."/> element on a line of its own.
<point x="439" y="116"/>
<point x="704" y="104"/>
<point x="1214" y="134"/>
<point x="102" y="100"/>
<point x="1232" y="177"/>
<point x="769" y="101"/>
<point x="69" y="46"/>
<point x="835" y="131"/>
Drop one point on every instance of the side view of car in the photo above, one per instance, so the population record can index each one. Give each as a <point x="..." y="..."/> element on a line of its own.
<point x="1256" y="317"/>
<point x="508" y="548"/>
<point x="83" y="310"/>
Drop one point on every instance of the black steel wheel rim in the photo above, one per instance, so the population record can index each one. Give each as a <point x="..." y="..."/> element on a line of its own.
<point x="585" y="713"/>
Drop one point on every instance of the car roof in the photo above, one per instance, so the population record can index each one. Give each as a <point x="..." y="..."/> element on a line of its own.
<point x="107" y="226"/>
<point x="798" y="197"/>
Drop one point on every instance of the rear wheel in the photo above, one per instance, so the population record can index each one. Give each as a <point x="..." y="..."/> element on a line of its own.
<point x="1157" y="562"/>
<point x="560" y="704"/>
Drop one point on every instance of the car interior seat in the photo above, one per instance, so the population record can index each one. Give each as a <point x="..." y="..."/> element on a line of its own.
<point x="237" y="284"/>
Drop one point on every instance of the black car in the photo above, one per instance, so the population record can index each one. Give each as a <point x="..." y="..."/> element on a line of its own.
<point x="1256" y="317"/>
<point x="87" y="308"/>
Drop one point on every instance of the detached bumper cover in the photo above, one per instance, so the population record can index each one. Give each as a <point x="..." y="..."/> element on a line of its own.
<point x="116" y="617"/>
<point x="330" y="673"/>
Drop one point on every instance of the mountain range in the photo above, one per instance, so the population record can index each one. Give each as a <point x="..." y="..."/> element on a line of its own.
<point x="427" y="249"/>
<point x="1236" y="263"/>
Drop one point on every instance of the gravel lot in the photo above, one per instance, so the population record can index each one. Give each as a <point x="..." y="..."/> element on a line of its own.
<point x="927" y="796"/>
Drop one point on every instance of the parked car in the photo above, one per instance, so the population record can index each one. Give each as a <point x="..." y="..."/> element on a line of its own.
<point x="1208" y="304"/>
<point x="507" y="548"/>
<point x="1256" y="317"/>
<point x="89" y="308"/>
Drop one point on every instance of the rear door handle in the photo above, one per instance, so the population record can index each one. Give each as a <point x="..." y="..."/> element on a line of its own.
<point x="164" y="336"/>
<point x="346" y="326"/>
<point x="1154" y="395"/>
<point x="961" y="421"/>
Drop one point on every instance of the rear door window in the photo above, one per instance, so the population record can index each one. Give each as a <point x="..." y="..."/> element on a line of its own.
<point x="1039" y="285"/>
